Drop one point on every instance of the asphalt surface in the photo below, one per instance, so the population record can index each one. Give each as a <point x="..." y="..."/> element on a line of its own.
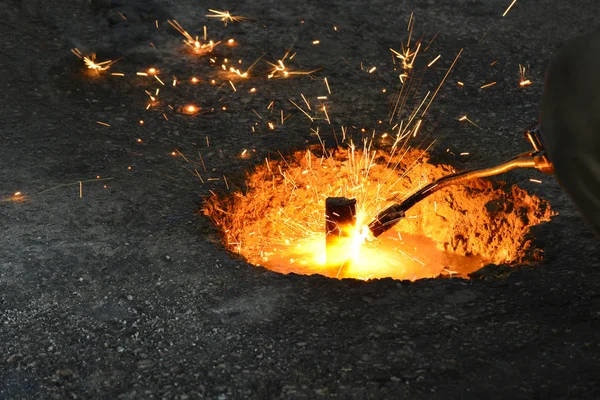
<point x="127" y="293"/>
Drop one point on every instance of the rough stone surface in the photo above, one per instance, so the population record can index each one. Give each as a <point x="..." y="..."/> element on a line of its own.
<point x="125" y="293"/>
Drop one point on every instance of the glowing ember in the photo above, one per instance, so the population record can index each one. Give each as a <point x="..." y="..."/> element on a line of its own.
<point x="190" y="109"/>
<point x="279" y="222"/>
<point x="17" y="197"/>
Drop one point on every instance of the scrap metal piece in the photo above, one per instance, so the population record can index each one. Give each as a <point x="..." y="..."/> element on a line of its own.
<point x="340" y="221"/>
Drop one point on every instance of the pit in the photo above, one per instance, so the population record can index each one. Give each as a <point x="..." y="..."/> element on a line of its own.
<point x="279" y="222"/>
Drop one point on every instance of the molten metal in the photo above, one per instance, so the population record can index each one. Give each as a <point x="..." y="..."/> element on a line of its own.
<point x="278" y="221"/>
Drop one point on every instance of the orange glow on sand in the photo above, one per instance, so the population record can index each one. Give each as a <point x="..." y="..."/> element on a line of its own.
<point x="190" y="109"/>
<point x="279" y="222"/>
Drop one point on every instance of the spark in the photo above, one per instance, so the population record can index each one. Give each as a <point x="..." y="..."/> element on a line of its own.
<point x="117" y="74"/>
<point x="190" y="109"/>
<point x="535" y="180"/>
<point x="315" y="42"/>
<point x="102" y="123"/>
<point x="523" y="81"/>
<point x="300" y="108"/>
<point x="327" y="85"/>
<point x="434" y="60"/>
<point x="193" y="42"/>
<point x="306" y="102"/>
<point x="76" y="183"/>
<point x="159" y="80"/>
<point x="487" y="85"/>
<point x="442" y="82"/>
<point x="526" y="82"/>
<point x="407" y="56"/>
<point x="459" y="83"/>
<point x="225" y="16"/>
<point x="326" y="115"/>
<point x="465" y="118"/>
<point x="372" y="70"/>
<point x="280" y="69"/>
<point x="509" y="7"/>
<point x="90" y="61"/>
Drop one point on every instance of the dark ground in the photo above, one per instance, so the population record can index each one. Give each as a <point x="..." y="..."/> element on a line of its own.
<point x="125" y="293"/>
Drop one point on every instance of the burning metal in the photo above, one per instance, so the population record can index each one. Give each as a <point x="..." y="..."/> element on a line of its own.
<point x="278" y="223"/>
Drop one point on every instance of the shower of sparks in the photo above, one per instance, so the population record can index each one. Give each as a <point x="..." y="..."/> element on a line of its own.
<point x="407" y="56"/>
<point x="194" y="43"/>
<point x="281" y="70"/>
<point x="523" y="81"/>
<point x="509" y="7"/>
<point x="90" y="61"/>
<point x="376" y="178"/>
<point x="225" y="16"/>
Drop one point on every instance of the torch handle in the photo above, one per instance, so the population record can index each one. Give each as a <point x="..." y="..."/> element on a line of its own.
<point x="389" y="217"/>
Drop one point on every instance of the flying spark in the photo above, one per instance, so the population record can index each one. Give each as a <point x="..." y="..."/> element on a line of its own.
<point x="225" y="16"/>
<point x="90" y="61"/>
<point x="523" y="81"/>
